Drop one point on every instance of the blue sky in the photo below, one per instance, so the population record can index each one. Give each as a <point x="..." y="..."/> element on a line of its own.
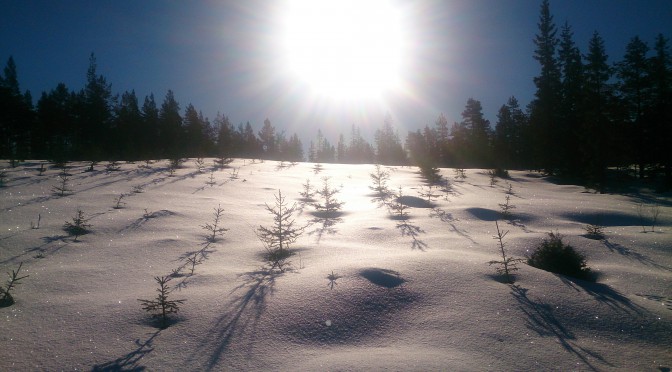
<point x="222" y="56"/>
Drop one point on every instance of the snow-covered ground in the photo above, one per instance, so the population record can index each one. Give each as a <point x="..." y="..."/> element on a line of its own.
<point x="414" y="294"/>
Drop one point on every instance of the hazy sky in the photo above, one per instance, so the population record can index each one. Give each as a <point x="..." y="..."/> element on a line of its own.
<point x="223" y="56"/>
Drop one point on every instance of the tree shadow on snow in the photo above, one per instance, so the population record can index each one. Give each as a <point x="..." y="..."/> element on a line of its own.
<point x="626" y="252"/>
<point x="130" y="361"/>
<point x="245" y="309"/>
<point x="448" y="218"/>
<point x="604" y="294"/>
<point x="540" y="319"/>
<point x="407" y="228"/>
<point x="323" y="223"/>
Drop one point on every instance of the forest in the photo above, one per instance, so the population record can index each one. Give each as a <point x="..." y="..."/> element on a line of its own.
<point x="590" y="121"/>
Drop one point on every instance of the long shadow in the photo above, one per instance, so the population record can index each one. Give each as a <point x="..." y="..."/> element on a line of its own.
<point x="323" y="223"/>
<point x="407" y="228"/>
<point x="130" y="361"/>
<point x="540" y="319"/>
<point x="142" y="220"/>
<point x="448" y="218"/>
<point x="626" y="252"/>
<point x="610" y="219"/>
<point x="604" y="294"/>
<point x="244" y="312"/>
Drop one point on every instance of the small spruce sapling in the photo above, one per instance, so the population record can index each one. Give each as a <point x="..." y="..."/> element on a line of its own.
<point x="507" y="265"/>
<point x="460" y="173"/>
<point x="78" y="226"/>
<point x="234" y="173"/>
<point x="112" y="166"/>
<point x="41" y="170"/>
<point x="282" y="234"/>
<point x="308" y="192"/>
<point x="162" y="306"/>
<point x="379" y="178"/>
<point x="211" y="179"/>
<point x="594" y="231"/>
<point x="118" y="203"/>
<point x="428" y="193"/>
<point x="214" y="228"/>
<point x="3" y="177"/>
<point x="397" y="207"/>
<point x="492" y="174"/>
<point x="91" y="165"/>
<point x="200" y="164"/>
<point x="329" y="202"/>
<point x="6" y="298"/>
<point x="506" y="208"/>
<point x="62" y="188"/>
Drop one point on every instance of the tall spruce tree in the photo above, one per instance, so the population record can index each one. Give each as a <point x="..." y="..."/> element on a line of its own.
<point x="661" y="104"/>
<point x="95" y="115"/>
<point x="149" y="132"/>
<point x="478" y="134"/>
<point x="571" y="98"/>
<point x="635" y="93"/>
<point x="544" y="108"/>
<point x="171" y="132"/>
<point x="597" y="133"/>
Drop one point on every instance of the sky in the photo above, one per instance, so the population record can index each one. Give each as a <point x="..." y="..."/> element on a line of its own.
<point x="227" y="56"/>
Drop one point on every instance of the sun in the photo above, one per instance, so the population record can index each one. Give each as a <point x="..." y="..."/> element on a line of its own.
<point x="347" y="49"/>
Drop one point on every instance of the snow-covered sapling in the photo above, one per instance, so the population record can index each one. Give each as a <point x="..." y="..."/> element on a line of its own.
<point x="379" y="178"/>
<point x="211" y="179"/>
<point x="78" y="226"/>
<point x="428" y="193"/>
<point x="234" y="173"/>
<point x="506" y="207"/>
<point x="118" y="203"/>
<point x="6" y="298"/>
<point x="492" y="174"/>
<point x="62" y="188"/>
<point x="507" y="265"/>
<point x="200" y="164"/>
<point x="397" y="207"/>
<point x="329" y="202"/>
<point x="460" y="173"/>
<point x="214" y="228"/>
<point x="91" y="165"/>
<point x="112" y="166"/>
<point x="282" y="234"/>
<point x="509" y="190"/>
<point x="308" y="191"/>
<point x="594" y="231"/>
<point x="162" y="306"/>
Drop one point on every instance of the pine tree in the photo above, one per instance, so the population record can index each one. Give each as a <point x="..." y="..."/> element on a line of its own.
<point x="661" y="105"/>
<point x="544" y="107"/>
<point x="635" y="94"/>
<point x="571" y="104"/>
<point x="279" y="237"/>
<point x="597" y="131"/>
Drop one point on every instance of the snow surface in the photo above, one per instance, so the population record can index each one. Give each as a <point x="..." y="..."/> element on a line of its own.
<point x="413" y="294"/>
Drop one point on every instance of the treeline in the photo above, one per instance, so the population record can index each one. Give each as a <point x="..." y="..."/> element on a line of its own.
<point x="587" y="115"/>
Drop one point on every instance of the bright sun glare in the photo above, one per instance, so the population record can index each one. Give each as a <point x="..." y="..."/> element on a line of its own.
<point x="347" y="49"/>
